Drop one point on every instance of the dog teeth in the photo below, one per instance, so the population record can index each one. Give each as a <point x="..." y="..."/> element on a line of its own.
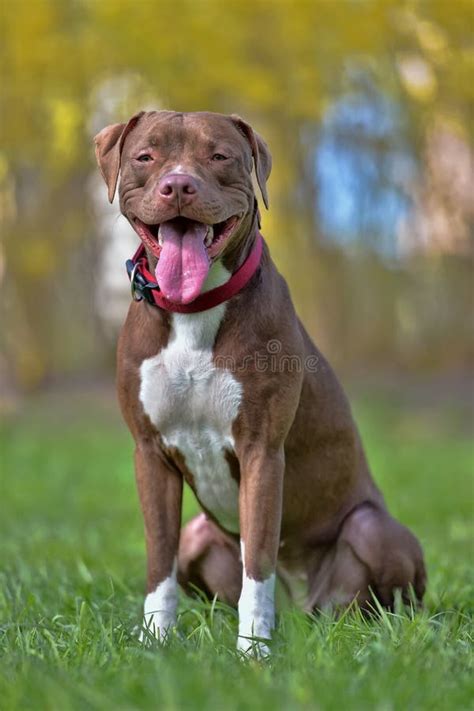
<point x="207" y="240"/>
<point x="209" y="236"/>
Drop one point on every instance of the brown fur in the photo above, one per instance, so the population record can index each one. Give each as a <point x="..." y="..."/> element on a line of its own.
<point x="307" y="500"/>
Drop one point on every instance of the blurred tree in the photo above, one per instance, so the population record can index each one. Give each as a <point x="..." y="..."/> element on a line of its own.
<point x="69" y="67"/>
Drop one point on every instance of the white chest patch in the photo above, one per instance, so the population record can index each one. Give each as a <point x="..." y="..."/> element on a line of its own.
<point x="193" y="404"/>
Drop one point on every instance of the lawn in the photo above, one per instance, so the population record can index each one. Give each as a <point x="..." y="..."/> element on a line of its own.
<point x="72" y="577"/>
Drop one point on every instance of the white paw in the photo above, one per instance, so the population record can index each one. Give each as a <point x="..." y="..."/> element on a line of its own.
<point x="158" y="625"/>
<point x="252" y="647"/>
<point x="256" y="613"/>
<point x="159" y="615"/>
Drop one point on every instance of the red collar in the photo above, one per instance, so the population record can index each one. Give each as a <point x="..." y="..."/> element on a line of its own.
<point x="144" y="286"/>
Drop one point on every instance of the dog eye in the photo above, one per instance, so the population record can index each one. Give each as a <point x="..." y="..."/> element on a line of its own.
<point x="219" y="156"/>
<point x="145" y="158"/>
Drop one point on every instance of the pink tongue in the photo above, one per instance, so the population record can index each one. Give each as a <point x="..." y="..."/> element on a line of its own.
<point x="183" y="264"/>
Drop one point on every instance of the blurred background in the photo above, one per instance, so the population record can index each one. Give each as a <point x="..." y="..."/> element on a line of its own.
<point x="367" y="108"/>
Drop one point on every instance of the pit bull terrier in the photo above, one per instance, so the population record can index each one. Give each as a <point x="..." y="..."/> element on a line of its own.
<point x="222" y="387"/>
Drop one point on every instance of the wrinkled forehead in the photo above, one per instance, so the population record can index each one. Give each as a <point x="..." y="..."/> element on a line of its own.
<point x="169" y="130"/>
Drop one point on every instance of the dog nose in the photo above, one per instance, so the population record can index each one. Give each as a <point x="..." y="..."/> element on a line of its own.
<point x="177" y="185"/>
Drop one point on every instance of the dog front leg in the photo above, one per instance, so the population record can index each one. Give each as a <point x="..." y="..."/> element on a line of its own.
<point x="160" y="490"/>
<point x="260" y="503"/>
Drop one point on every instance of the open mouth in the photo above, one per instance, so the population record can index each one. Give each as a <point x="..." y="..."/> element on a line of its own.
<point x="185" y="249"/>
<point x="214" y="236"/>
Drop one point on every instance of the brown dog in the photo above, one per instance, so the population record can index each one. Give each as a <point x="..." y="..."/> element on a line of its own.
<point x="235" y="399"/>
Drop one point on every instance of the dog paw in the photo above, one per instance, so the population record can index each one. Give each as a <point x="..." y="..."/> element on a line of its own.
<point x="156" y="627"/>
<point x="253" y="647"/>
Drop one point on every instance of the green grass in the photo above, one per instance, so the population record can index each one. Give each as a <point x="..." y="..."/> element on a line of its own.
<point x="72" y="554"/>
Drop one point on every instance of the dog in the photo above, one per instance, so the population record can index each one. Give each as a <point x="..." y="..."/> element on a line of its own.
<point x="221" y="387"/>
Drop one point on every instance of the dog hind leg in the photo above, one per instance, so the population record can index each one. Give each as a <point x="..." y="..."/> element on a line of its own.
<point x="209" y="560"/>
<point x="374" y="554"/>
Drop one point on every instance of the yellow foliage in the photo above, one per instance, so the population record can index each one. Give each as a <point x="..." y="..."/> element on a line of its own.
<point x="417" y="77"/>
<point x="65" y="120"/>
<point x="39" y="258"/>
<point x="70" y="66"/>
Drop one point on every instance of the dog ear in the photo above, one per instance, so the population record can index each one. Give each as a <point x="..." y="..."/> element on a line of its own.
<point x="261" y="155"/>
<point x="108" y="150"/>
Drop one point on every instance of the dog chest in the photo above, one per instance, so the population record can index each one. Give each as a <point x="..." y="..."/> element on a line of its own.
<point x="193" y="405"/>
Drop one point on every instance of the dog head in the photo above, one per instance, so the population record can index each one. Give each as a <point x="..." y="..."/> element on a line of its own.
<point x="185" y="187"/>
